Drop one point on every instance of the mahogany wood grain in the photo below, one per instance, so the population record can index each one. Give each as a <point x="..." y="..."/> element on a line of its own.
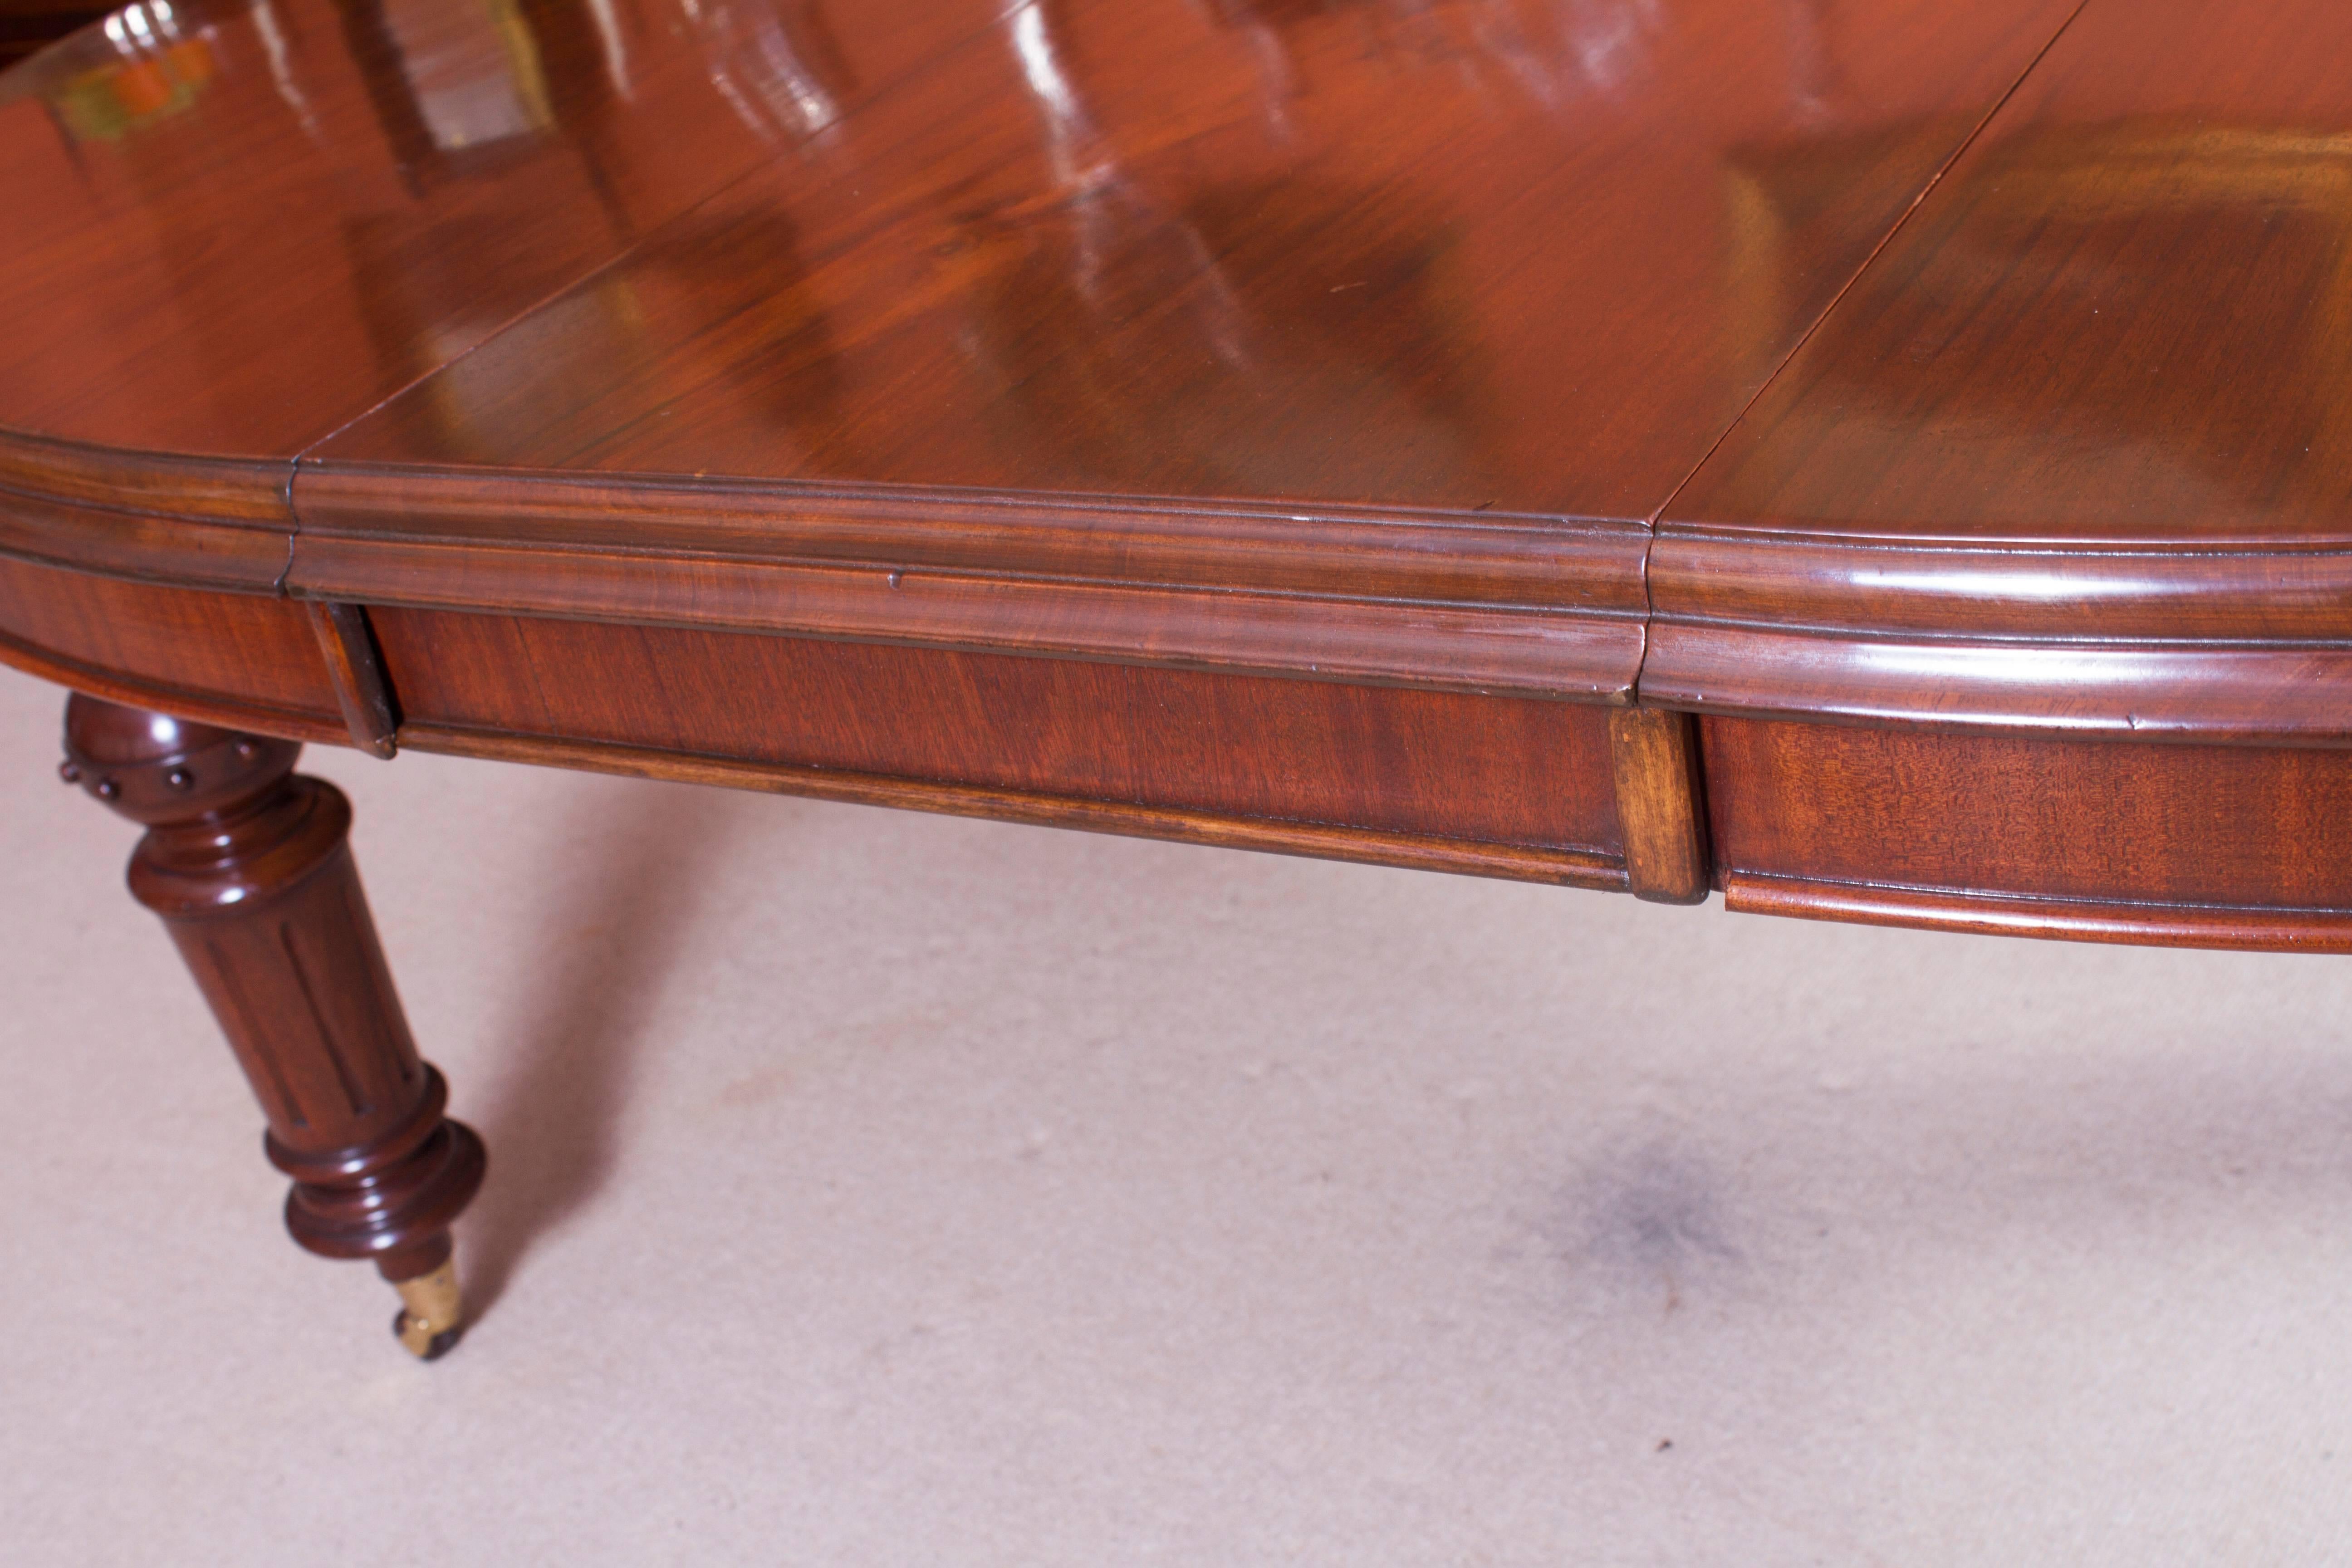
<point x="1360" y="429"/>
<point x="1464" y="255"/>
<point x="2076" y="451"/>
<point x="1524" y="606"/>
<point x="250" y="868"/>
<point x="1411" y="851"/>
<point x="184" y="520"/>
<point x="237" y="226"/>
<point x="347" y="644"/>
<point x="2106" y="840"/>
<point x="2226" y="926"/>
<point x="1424" y="765"/>
<point x="1044" y="192"/>
<point x="244" y="660"/>
<point x="2286" y="695"/>
<point x="1005" y="364"/>
<point x="1661" y="803"/>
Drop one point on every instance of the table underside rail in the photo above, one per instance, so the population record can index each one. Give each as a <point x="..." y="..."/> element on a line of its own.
<point x="2098" y="839"/>
<point x="2093" y="840"/>
<point x="1506" y="787"/>
<point x="1516" y="788"/>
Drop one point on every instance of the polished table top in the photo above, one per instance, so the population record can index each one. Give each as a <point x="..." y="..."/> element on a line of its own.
<point x="1886" y="462"/>
<point x="1970" y="372"/>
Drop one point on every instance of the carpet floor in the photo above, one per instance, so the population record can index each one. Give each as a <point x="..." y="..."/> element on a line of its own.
<point x="872" y="1188"/>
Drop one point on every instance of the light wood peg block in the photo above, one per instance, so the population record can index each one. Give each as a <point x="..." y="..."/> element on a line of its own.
<point x="1661" y="807"/>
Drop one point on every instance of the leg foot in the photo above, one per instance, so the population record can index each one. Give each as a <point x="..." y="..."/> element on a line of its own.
<point x="249" y="866"/>
<point x="431" y="1315"/>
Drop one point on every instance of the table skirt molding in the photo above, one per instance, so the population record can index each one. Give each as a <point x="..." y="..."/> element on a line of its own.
<point x="1667" y="813"/>
<point x="1561" y="866"/>
<point x="157" y="517"/>
<point x="2241" y="927"/>
<point x="1541" y="607"/>
<point x="2232" y="641"/>
<point x="1624" y="806"/>
<point x="2244" y="644"/>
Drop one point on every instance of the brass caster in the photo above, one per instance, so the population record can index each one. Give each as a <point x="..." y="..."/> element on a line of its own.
<point x="431" y="1315"/>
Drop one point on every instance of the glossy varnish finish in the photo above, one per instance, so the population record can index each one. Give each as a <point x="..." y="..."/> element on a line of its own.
<point x="2076" y="452"/>
<point x="872" y="394"/>
<point x="247" y="659"/>
<point x="2219" y="846"/>
<point x="1048" y="267"/>
<point x="1427" y="767"/>
<point x="273" y="216"/>
<point x="163" y="517"/>
<point x="250" y="868"/>
<point x="1486" y="602"/>
<point x="347" y="646"/>
<point x="1359" y="430"/>
<point x="850" y="244"/>
<point x="978" y="339"/>
<point x="235" y="228"/>
<point x="1268" y="286"/>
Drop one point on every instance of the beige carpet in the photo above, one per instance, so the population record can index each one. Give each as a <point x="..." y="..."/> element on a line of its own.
<point x="874" y="1188"/>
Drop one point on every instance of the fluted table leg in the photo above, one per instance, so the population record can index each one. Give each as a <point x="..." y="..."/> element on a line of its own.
<point x="248" y="865"/>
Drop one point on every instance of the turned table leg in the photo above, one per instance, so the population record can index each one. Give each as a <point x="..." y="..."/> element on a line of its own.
<point x="248" y="865"/>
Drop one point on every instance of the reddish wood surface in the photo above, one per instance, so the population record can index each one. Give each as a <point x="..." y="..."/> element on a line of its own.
<point x="1521" y="605"/>
<point x="1661" y="803"/>
<point x="242" y="657"/>
<point x="251" y="870"/>
<point x="168" y="517"/>
<point x="2234" y="926"/>
<point x="1978" y="820"/>
<point x="1153" y="249"/>
<point x="348" y="648"/>
<point x="235" y="236"/>
<point x="2293" y="695"/>
<point x="1291" y="442"/>
<point x="2076" y="451"/>
<point x="1357" y="429"/>
<point x="1270" y="285"/>
<point x="1574" y="867"/>
<point x="1428" y="764"/>
<point x="234" y="229"/>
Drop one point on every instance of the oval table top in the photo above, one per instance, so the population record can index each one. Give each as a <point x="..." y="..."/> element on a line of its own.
<point x="1907" y="374"/>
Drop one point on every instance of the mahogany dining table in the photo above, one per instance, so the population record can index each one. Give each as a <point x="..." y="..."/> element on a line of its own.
<point x="1885" y="462"/>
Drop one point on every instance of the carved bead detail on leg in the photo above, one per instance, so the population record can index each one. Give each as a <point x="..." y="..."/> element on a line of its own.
<point x="251" y="868"/>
